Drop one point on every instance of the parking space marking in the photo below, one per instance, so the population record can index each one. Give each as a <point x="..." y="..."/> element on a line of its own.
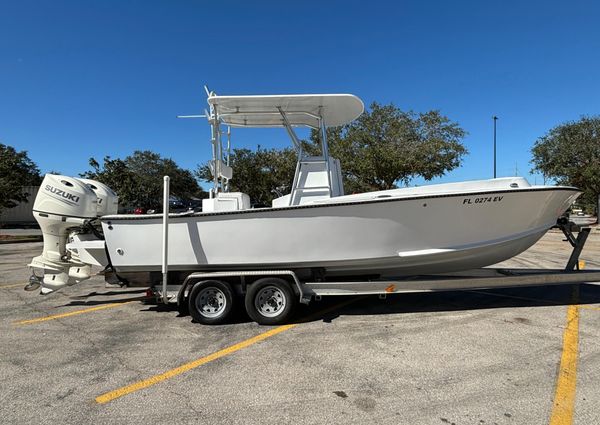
<point x="109" y="396"/>
<point x="14" y="285"/>
<point x="128" y="389"/>
<point x="563" y="407"/>
<point x="74" y="313"/>
<point x="589" y="307"/>
<point x="566" y="383"/>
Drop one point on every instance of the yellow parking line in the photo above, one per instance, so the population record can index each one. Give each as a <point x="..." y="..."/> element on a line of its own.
<point x="14" y="285"/>
<point x="73" y="313"/>
<point x="564" y="396"/>
<point x="109" y="396"/>
<point x="128" y="389"/>
<point x="589" y="307"/>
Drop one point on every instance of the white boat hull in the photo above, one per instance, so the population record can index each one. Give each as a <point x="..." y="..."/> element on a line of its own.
<point x="387" y="233"/>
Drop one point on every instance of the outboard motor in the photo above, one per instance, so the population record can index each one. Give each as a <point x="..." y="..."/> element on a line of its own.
<point x="66" y="208"/>
<point x="108" y="201"/>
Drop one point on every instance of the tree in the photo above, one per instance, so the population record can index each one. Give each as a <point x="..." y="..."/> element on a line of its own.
<point x="263" y="174"/>
<point x="138" y="179"/>
<point x="570" y="154"/>
<point x="16" y="170"/>
<point x="387" y="146"/>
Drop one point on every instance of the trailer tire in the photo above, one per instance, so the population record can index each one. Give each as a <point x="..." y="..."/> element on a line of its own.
<point x="210" y="302"/>
<point x="270" y="301"/>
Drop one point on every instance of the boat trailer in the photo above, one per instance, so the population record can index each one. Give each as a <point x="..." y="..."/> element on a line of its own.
<point x="205" y="294"/>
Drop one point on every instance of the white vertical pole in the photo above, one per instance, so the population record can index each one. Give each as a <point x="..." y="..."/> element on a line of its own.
<point x="325" y="149"/>
<point x="165" y="247"/>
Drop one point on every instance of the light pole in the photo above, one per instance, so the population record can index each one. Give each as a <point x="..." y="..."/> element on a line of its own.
<point x="495" y="118"/>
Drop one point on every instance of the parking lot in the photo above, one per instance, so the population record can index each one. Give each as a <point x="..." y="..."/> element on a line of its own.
<point x="91" y="354"/>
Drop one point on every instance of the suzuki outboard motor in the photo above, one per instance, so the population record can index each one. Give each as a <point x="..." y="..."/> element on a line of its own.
<point x="66" y="209"/>
<point x="108" y="201"/>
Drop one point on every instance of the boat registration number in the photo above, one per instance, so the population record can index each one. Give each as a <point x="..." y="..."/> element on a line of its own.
<point x="482" y="200"/>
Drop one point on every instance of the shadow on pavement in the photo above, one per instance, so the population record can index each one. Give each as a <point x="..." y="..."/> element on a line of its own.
<point x="110" y="293"/>
<point x="331" y="308"/>
<point x="238" y="315"/>
<point x="540" y="296"/>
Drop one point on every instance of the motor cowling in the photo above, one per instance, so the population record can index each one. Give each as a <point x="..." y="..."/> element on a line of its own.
<point x="65" y="196"/>
<point x="108" y="201"/>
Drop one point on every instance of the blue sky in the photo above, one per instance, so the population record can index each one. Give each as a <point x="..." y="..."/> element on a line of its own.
<point x="95" y="78"/>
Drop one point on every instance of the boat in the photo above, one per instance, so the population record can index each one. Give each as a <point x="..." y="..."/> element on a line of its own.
<point x="316" y="230"/>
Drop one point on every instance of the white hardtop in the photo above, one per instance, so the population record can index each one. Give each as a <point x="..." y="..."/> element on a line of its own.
<point x="301" y="110"/>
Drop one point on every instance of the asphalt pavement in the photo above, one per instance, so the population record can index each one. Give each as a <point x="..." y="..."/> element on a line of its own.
<point x="90" y="354"/>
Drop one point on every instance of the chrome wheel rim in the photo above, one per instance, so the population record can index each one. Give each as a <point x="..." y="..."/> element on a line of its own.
<point x="211" y="302"/>
<point x="270" y="301"/>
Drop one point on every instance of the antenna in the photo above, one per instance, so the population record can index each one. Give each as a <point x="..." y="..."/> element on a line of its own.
<point x="208" y="92"/>
<point x="205" y="115"/>
<point x="495" y="118"/>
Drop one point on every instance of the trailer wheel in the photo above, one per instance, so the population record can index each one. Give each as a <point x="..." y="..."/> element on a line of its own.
<point x="270" y="301"/>
<point x="210" y="302"/>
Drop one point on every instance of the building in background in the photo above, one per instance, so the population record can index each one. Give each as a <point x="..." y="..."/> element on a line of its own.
<point x="22" y="214"/>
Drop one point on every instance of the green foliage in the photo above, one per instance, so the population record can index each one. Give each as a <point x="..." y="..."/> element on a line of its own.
<point x="263" y="174"/>
<point x="386" y="146"/>
<point x="138" y="179"/>
<point x="16" y="170"/>
<point x="570" y="154"/>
